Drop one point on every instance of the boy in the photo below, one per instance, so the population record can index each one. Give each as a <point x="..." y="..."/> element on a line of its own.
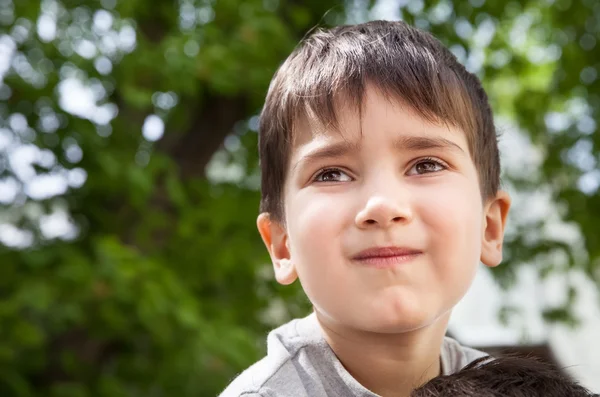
<point x="380" y="176"/>
<point x="503" y="377"/>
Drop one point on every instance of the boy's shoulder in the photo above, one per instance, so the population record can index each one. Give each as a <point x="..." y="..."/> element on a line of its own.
<point x="279" y="369"/>
<point x="253" y="381"/>
<point x="455" y="356"/>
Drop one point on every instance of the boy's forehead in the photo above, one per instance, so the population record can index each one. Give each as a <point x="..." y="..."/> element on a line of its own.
<point x="347" y="123"/>
<point x="343" y="121"/>
<point x="308" y="128"/>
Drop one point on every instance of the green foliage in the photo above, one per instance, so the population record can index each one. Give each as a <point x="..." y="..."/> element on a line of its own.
<point x="158" y="293"/>
<point x="164" y="288"/>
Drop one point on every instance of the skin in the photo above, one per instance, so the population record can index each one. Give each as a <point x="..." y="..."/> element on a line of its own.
<point x="389" y="178"/>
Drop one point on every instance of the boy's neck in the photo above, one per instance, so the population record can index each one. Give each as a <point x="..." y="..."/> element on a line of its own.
<point x="390" y="365"/>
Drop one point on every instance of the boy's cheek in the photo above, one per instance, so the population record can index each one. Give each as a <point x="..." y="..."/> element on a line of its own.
<point x="315" y="228"/>
<point x="318" y="213"/>
<point x="452" y="219"/>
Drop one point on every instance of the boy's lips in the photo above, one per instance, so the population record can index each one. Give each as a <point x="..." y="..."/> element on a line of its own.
<point x="385" y="257"/>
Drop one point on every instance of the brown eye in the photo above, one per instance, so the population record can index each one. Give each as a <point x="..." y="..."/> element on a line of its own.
<point x="427" y="166"/>
<point x="332" y="175"/>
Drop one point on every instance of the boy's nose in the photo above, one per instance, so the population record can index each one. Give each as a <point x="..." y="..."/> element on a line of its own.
<point x="383" y="212"/>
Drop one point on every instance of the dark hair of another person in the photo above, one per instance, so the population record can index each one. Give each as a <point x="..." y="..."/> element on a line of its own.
<point x="510" y="376"/>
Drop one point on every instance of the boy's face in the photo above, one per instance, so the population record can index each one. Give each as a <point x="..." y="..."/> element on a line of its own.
<point x="402" y="184"/>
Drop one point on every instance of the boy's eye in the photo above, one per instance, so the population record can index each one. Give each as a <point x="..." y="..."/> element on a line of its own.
<point x="332" y="175"/>
<point x="427" y="166"/>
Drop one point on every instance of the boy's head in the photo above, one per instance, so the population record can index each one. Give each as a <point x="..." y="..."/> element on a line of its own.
<point x="380" y="176"/>
<point x="503" y="377"/>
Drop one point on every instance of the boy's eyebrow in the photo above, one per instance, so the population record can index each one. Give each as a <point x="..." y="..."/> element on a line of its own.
<point x="340" y="149"/>
<point x="423" y="143"/>
<point x="334" y="150"/>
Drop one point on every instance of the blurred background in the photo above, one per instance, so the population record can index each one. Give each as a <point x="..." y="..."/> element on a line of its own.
<point x="129" y="260"/>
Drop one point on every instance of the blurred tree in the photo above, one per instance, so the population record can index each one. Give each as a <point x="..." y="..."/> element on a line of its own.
<point x="117" y="277"/>
<point x="130" y="264"/>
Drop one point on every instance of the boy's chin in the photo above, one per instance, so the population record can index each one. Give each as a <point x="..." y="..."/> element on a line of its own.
<point x="401" y="322"/>
<point x="399" y="325"/>
<point x="394" y="313"/>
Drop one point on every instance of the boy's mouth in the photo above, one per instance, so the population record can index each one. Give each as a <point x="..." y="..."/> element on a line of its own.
<point x="385" y="257"/>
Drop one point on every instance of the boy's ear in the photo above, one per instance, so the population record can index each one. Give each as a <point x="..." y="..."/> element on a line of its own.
<point x="275" y="238"/>
<point x="495" y="213"/>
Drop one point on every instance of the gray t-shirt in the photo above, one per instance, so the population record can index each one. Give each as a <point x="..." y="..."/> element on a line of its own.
<point x="300" y="363"/>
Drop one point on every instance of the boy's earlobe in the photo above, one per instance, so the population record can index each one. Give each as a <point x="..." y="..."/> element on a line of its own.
<point x="496" y="211"/>
<point x="274" y="236"/>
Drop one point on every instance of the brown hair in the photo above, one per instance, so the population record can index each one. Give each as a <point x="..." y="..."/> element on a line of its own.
<point x="333" y="67"/>
<point x="511" y="376"/>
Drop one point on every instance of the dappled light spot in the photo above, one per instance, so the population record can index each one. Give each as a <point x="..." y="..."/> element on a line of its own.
<point x="75" y="98"/>
<point x="46" y="158"/>
<point x="103" y="65"/>
<point x="588" y="75"/>
<point x="46" y="28"/>
<point x="153" y="128"/>
<point x="441" y="12"/>
<point x="9" y="188"/>
<point x="127" y="38"/>
<point x="58" y="225"/>
<point x="475" y="60"/>
<point x="20" y="32"/>
<point x="587" y="42"/>
<point x="580" y="155"/>
<point x="586" y="125"/>
<point x="7" y="48"/>
<point x="165" y="100"/>
<point x="81" y="100"/>
<point x="205" y="14"/>
<point x="6" y="138"/>
<point x="463" y="28"/>
<point x="415" y="6"/>
<point x="483" y="35"/>
<point x="85" y="48"/>
<point x="500" y="58"/>
<point x="389" y="10"/>
<point x="589" y="182"/>
<point x="45" y="186"/>
<point x="76" y="177"/>
<point x="142" y="157"/>
<point x="459" y="52"/>
<point x="109" y="43"/>
<point x="221" y="170"/>
<point x="11" y="236"/>
<point x="103" y="21"/>
<point x="191" y="48"/>
<point x="556" y="121"/>
<point x="105" y="113"/>
<point x="73" y="152"/>
<point x="108" y="4"/>
<point x="7" y="12"/>
<point x="253" y="123"/>
<point x="187" y="16"/>
<point x="18" y="123"/>
<point x="104" y="130"/>
<point x="519" y="32"/>
<point x="48" y="120"/>
<point x="232" y="143"/>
